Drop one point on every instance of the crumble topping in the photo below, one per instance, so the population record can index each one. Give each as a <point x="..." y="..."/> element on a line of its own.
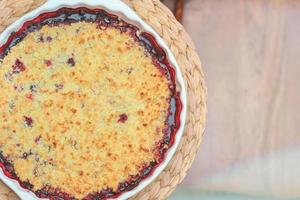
<point x="82" y="108"/>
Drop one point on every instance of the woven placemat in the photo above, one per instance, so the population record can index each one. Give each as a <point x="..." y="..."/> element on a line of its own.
<point x="163" y="21"/>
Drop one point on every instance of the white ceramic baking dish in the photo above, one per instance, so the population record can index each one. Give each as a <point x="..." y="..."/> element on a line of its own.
<point x="113" y="6"/>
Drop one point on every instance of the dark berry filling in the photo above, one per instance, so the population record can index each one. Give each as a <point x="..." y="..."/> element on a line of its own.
<point x="29" y="96"/>
<point x="18" y="67"/>
<point x="123" y="118"/>
<point x="59" y="86"/>
<point x="48" y="63"/>
<point x="28" y="121"/>
<point x="71" y="62"/>
<point x="49" y="39"/>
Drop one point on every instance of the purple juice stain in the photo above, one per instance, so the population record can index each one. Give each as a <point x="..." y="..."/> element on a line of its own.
<point x="18" y="66"/>
<point x="28" y="121"/>
<point x="122" y="118"/>
<point x="71" y="62"/>
<point x="48" y="63"/>
<point x="49" y="39"/>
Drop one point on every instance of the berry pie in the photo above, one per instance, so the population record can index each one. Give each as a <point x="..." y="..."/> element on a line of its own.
<point x="88" y="105"/>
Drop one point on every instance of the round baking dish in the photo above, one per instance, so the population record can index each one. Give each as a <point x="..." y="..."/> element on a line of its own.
<point x="122" y="10"/>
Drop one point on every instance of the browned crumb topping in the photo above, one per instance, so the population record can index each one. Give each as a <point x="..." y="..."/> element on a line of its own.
<point x="80" y="108"/>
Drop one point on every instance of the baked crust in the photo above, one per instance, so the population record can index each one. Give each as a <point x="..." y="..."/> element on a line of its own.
<point x="88" y="106"/>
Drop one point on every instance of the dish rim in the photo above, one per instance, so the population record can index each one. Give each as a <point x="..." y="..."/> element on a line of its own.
<point x="110" y="6"/>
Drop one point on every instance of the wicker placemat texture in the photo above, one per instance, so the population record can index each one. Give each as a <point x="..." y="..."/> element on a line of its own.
<point x="163" y="21"/>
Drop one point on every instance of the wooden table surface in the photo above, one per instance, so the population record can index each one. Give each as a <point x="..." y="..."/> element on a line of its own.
<point x="250" y="51"/>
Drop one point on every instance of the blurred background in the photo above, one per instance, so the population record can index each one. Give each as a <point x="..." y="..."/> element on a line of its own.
<point x="250" y="52"/>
